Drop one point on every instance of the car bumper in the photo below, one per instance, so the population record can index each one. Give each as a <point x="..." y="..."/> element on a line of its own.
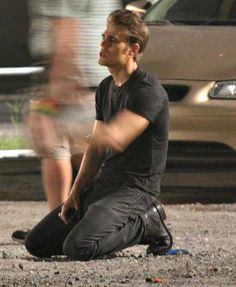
<point x="196" y="117"/>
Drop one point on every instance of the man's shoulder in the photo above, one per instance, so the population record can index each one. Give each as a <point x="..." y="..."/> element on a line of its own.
<point x="143" y="79"/>
<point x="146" y="85"/>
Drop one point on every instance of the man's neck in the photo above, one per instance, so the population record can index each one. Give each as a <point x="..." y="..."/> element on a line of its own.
<point x="122" y="74"/>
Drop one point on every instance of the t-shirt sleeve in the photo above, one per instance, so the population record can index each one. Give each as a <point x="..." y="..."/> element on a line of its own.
<point x="147" y="101"/>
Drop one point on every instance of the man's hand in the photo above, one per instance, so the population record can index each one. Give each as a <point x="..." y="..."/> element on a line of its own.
<point x="71" y="203"/>
<point x="68" y="205"/>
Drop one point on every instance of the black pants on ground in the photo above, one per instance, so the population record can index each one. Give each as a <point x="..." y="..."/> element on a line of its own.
<point x="108" y="221"/>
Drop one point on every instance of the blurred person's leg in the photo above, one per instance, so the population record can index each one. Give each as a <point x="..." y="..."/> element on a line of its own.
<point x="57" y="179"/>
<point x="56" y="167"/>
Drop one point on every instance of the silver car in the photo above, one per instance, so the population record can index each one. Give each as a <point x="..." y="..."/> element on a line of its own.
<point x="192" y="51"/>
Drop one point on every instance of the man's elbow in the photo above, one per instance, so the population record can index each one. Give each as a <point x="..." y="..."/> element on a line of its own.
<point x="108" y="141"/>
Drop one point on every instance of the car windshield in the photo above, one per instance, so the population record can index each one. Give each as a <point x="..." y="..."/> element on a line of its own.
<point x="192" y="12"/>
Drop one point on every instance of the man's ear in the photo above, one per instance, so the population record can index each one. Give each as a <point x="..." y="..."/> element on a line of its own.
<point x="135" y="48"/>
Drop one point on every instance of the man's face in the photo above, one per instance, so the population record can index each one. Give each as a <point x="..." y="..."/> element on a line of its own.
<point x="116" y="50"/>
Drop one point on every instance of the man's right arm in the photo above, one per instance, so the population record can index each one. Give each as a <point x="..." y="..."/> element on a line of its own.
<point x="89" y="168"/>
<point x="91" y="162"/>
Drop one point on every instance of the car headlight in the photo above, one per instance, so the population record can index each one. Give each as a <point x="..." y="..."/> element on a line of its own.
<point x="224" y="90"/>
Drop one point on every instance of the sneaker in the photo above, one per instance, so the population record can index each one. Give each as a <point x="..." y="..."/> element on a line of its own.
<point x="20" y="236"/>
<point x="156" y="235"/>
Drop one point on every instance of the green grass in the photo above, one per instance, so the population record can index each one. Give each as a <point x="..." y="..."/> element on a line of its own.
<point x="11" y="143"/>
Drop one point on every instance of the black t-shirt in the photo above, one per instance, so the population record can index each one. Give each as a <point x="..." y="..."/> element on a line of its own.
<point x="143" y="162"/>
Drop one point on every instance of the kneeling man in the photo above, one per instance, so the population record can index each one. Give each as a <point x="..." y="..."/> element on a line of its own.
<point x="113" y="202"/>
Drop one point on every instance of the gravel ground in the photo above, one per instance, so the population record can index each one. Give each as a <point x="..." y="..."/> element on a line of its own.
<point x="208" y="232"/>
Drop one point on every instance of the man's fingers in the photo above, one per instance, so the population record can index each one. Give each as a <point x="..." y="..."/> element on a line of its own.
<point x="76" y="203"/>
<point x="62" y="215"/>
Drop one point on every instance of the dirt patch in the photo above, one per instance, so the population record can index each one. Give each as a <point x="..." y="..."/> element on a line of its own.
<point x="208" y="232"/>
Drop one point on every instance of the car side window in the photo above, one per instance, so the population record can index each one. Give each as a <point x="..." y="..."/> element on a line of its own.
<point x="199" y="12"/>
<point x="193" y="10"/>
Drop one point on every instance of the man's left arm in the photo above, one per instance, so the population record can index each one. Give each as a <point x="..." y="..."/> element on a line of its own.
<point x="121" y="131"/>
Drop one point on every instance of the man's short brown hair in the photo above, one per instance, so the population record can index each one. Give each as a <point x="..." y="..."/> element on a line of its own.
<point x="138" y="30"/>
